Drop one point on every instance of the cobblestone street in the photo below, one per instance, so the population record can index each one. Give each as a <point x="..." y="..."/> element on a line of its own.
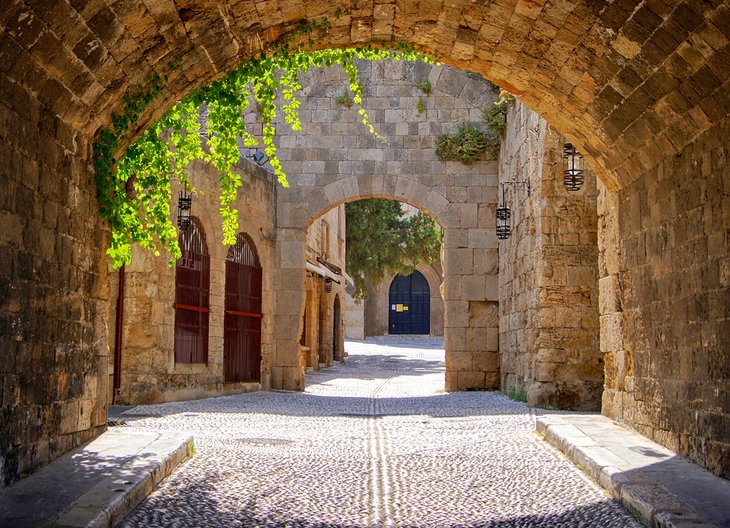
<point x="373" y="442"/>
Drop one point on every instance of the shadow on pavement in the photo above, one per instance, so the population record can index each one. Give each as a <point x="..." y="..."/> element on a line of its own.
<point x="199" y="507"/>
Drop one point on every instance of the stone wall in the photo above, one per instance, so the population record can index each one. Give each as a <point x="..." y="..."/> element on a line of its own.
<point x="149" y="371"/>
<point x="665" y="302"/>
<point x="334" y="159"/>
<point x="548" y="274"/>
<point x="53" y="289"/>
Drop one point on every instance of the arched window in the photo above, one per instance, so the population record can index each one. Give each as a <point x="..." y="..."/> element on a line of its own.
<point x="192" y="296"/>
<point x="242" y="334"/>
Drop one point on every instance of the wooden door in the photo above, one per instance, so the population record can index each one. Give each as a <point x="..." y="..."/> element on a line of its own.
<point x="192" y="293"/>
<point x="409" y="305"/>
<point x="242" y="321"/>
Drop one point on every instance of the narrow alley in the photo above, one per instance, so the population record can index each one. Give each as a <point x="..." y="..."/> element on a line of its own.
<point x="373" y="442"/>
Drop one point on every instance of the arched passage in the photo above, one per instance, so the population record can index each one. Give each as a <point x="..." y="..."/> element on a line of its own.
<point x="605" y="74"/>
<point x="640" y="89"/>
<point x="467" y="291"/>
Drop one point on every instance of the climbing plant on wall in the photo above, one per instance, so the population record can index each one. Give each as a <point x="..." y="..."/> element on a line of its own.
<point x="135" y="192"/>
<point x="383" y="239"/>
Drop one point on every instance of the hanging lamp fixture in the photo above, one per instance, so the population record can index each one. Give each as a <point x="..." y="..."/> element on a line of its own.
<point x="573" y="168"/>
<point x="504" y="214"/>
<point x="504" y="227"/>
<point x="184" y="206"/>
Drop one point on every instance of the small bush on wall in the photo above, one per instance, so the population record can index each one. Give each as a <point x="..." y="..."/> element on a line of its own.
<point x="495" y="117"/>
<point x="468" y="144"/>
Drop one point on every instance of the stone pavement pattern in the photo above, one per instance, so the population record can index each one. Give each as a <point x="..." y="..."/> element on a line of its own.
<point x="373" y="442"/>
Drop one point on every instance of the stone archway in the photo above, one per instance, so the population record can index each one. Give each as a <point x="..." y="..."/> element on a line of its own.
<point x="465" y="368"/>
<point x="640" y="89"/>
<point x="628" y="86"/>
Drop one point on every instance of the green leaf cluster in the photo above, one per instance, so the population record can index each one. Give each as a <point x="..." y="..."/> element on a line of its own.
<point x="424" y="86"/>
<point x="382" y="239"/>
<point x="345" y="99"/>
<point x="135" y="193"/>
<point x="495" y="117"/>
<point x="468" y="144"/>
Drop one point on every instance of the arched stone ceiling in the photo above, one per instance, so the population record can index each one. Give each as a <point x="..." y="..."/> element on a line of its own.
<point x="630" y="83"/>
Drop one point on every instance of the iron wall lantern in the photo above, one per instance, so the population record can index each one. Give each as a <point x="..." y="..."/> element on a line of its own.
<point x="503" y="222"/>
<point x="573" y="168"/>
<point x="184" y="206"/>
<point x="504" y="215"/>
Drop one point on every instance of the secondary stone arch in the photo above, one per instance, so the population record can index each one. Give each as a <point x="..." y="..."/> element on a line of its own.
<point x="399" y="188"/>
<point x="466" y="291"/>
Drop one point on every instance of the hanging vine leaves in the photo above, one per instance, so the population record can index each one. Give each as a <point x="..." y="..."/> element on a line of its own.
<point x="136" y="197"/>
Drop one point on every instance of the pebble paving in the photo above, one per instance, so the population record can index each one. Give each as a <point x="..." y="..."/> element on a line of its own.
<point x="373" y="442"/>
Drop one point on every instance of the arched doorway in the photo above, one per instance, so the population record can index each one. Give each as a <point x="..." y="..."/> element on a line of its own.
<point x="336" y="330"/>
<point x="192" y="296"/>
<point x="242" y="324"/>
<point x="410" y="304"/>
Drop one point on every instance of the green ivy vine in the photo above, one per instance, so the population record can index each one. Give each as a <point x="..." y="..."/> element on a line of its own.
<point x="135" y="192"/>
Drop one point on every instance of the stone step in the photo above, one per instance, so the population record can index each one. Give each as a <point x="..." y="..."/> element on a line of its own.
<point x="654" y="483"/>
<point x="95" y="485"/>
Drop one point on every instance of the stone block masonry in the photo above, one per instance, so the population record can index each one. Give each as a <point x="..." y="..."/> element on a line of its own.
<point x="548" y="274"/>
<point x="53" y="288"/>
<point x="665" y="302"/>
<point x="149" y="372"/>
<point x="404" y="167"/>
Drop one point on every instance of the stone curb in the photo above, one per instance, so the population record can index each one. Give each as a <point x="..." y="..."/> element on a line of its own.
<point x="643" y="496"/>
<point x="108" y="502"/>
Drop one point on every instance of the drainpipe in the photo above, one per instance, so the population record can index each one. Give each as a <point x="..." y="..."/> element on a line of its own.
<point x="118" y="337"/>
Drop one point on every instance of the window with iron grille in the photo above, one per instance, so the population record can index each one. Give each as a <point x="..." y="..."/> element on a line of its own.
<point x="192" y="296"/>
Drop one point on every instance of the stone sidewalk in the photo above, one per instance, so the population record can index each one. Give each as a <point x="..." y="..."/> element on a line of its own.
<point x="655" y="484"/>
<point x="97" y="484"/>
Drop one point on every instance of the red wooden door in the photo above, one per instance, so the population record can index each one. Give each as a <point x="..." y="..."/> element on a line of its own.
<point x="192" y="294"/>
<point x="242" y="324"/>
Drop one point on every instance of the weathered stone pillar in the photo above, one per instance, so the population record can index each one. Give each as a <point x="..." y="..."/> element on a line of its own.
<point x="471" y="301"/>
<point x="548" y="274"/>
<point x="287" y="371"/>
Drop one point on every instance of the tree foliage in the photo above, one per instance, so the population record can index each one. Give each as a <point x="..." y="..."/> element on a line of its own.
<point x="382" y="239"/>
<point x="135" y="192"/>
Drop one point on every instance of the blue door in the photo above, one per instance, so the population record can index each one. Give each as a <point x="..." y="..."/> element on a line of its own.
<point x="410" y="305"/>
